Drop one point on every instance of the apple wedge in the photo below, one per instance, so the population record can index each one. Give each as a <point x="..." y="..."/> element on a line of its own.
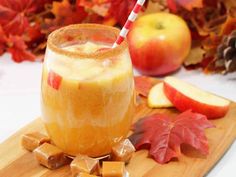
<point x="185" y="96"/>
<point x="157" y="98"/>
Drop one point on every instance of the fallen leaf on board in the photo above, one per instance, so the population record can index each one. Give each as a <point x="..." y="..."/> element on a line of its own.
<point x="143" y="84"/>
<point x="163" y="136"/>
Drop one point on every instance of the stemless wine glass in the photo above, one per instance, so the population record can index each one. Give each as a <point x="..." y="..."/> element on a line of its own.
<point x="87" y="91"/>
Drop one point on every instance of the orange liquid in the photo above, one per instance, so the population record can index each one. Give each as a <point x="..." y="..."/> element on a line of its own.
<point x="93" y="107"/>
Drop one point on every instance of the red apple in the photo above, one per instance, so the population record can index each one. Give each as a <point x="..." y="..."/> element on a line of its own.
<point x="159" y="43"/>
<point x="185" y="96"/>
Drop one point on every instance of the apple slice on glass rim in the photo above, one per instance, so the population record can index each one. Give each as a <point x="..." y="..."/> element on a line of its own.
<point x="185" y="96"/>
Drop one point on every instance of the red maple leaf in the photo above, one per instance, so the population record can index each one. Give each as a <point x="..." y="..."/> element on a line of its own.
<point x="164" y="136"/>
<point x="14" y="15"/>
<point x="120" y="10"/>
<point x="18" y="49"/>
<point x="143" y="84"/>
<point x="41" y="4"/>
<point x="34" y="36"/>
<point x="187" y="4"/>
<point x="67" y="13"/>
<point x="3" y="40"/>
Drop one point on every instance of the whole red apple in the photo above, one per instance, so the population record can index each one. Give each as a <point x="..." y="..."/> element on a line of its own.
<point x="159" y="43"/>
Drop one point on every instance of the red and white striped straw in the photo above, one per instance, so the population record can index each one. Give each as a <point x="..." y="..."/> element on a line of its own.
<point x="132" y="16"/>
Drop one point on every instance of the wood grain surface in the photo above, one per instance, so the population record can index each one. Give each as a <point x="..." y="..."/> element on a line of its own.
<point x="17" y="162"/>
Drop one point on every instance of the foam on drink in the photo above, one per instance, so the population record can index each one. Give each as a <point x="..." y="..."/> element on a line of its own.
<point x="89" y="69"/>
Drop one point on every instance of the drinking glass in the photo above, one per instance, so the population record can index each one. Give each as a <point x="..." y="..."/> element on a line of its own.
<point x="87" y="89"/>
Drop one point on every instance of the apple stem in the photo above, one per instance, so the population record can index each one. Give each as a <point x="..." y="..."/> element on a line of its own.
<point x="160" y="26"/>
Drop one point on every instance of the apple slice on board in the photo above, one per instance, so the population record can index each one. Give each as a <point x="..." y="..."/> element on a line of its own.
<point x="185" y="96"/>
<point x="157" y="97"/>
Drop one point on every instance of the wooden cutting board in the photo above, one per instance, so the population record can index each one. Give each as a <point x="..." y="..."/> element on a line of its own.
<point x="17" y="162"/>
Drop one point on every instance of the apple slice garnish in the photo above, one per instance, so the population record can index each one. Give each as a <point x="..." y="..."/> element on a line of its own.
<point x="157" y="97"/>
<point x="185" y="96"/>
<point x="54" y="80"/>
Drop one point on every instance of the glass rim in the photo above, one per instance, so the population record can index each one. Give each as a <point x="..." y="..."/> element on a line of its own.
<point x="53" y="38"/>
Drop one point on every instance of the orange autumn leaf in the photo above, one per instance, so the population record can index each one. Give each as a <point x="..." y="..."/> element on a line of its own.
<point x="33" y="20"/>
<point x="195" y="55"/>
<point x="190" y="4"/>
<point x="211" y="43"/>
<point x="214" y="39"/>
<point x="91" y="3"/>
<point x="65" y="14"/>
<point x="211" y="23"/>
<point x="229" y="25"/>
<point x="143" y="84"/>
<point x="187" y="4"/>
<point x="99" y="7"/>
<point x="109" y="21"/>
<point x="98" y="11"/>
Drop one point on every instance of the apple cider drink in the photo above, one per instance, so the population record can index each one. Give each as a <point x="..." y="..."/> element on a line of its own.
<point x="87" y="93"/>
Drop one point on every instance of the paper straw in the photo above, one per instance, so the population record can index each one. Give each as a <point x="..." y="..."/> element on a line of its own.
<point x="132" y="16"/>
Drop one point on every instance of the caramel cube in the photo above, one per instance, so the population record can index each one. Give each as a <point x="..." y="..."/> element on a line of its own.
<point x="122" y="151"/>
<point x="50" y="156"/>
<point x="30" y="141"/>
<point x="113" y="169"/>
<point x="83" y="163"/>
<point x="86" y="175"/>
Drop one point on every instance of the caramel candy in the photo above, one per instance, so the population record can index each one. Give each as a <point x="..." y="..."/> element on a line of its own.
<point x="122" y="151"/>
<point x="30" y="141"/>
<point x="85" y="175"/>
<point x="50" y="156"/>
<point x="113" y="169"/>
<point x="83" y="163"/>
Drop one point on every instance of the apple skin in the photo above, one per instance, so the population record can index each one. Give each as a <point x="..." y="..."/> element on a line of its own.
<point x="183" y="103"/>
<point x="159" y="43"/>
